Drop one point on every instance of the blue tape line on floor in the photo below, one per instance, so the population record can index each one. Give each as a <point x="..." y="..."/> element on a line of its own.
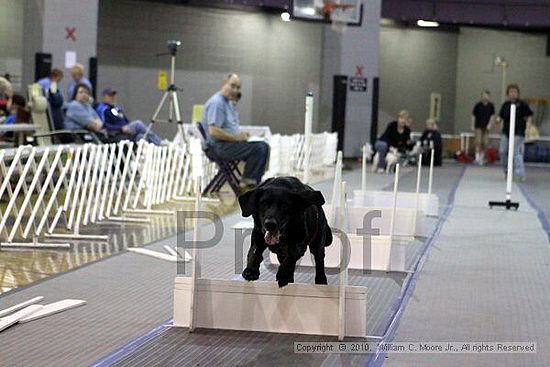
<point x="131" y="346"/>
<point x="540" y="213"/>
<point x="399" y="306"/>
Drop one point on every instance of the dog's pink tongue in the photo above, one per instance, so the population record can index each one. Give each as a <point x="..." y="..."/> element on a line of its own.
<point x="271" y="238"/>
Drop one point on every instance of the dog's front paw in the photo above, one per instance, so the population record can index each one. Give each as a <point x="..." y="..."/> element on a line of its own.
<point x="282" y="282"/>
<point x="251" y="274"/>
<point x="283" y="279"/>
<point x="321" y="279"/>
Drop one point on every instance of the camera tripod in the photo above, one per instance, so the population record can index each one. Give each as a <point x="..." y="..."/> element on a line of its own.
<point x="170" y="95"/>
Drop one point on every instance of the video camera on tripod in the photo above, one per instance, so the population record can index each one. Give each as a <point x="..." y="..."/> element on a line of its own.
<point x="173" y="46"/>
<point x="170" y="93"/>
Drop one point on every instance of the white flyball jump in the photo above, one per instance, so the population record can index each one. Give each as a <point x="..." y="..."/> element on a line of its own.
<point x="263" y="306"/>
<point x="427" y="203"/>
<point x="368" y="249"/>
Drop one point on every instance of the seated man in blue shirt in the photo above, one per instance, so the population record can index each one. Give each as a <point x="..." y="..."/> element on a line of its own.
<point x="116" y="123"/>
<point x="220" y="122"/>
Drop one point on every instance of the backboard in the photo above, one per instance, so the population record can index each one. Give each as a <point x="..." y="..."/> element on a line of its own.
<point x="341" y="11"/>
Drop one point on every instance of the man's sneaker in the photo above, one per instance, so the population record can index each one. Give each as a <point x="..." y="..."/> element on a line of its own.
<point x="380" y="170"/>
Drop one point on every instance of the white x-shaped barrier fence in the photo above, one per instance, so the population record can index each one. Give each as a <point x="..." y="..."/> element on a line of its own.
<point x="52" y="192"/>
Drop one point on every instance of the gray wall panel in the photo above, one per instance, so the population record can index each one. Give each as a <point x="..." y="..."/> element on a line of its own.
<point x="278" y="61"/>
<point x="477" y="49"/>
<point x="413" y="64"/>
<point x="11" y="30"/>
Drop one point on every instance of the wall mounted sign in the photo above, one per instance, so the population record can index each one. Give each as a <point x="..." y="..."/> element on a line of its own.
<point x="357" y="84"/>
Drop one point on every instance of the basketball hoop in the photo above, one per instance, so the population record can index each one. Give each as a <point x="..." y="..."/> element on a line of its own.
<point x="339" y="14"/>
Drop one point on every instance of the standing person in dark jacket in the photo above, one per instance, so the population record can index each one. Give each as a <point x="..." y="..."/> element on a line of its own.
<point x="397" y="135"/>
<point x="117" y="124"/>
<point x="483" y="115"/>
<point x="523" y="120"/>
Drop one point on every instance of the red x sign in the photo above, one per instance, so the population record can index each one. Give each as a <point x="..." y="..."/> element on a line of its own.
<point x="70" y="33"/>
<point x="359" y="70"/>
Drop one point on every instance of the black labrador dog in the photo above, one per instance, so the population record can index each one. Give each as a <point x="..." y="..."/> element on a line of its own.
<point x="288" y="218"/>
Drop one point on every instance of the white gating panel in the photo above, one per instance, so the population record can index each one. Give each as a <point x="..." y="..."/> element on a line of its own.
<point x="377" y="253"/>
<point x="427" y="203"/>
<point x="331" y="145"/>
<point x="408" y="222"/>
<point x="263" y="306"/>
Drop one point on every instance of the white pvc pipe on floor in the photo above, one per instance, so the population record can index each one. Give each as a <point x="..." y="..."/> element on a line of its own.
<point x="20" y="306"/>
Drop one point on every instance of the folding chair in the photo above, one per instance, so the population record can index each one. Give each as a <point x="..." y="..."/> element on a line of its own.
<point x="228" y="170"/>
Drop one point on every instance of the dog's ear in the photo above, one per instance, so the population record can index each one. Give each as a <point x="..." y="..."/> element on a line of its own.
<point x="248" y="202"/>
<point x="309" y="197"/>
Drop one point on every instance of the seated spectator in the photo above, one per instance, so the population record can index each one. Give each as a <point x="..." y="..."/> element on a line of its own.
<point x="225" y="138"/>
<point x="116" y="123"/>
<point x="18" y="113"/>
<point x="80" y="113"/>
<point x="18" y="110"/>
<point x="397" y="135"/>
<point x="53" y="92"/>
<point x="77" y="73"/>
<point x="52" y="82"/>
<point x="6" y="91"/>
<point x="431" y="138"/>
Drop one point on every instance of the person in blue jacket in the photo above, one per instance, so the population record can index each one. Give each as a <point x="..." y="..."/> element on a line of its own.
<point x="116" y="123"/>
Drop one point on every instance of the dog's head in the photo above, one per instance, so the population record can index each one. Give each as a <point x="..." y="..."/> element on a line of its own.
<point x="274" y="208"/>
